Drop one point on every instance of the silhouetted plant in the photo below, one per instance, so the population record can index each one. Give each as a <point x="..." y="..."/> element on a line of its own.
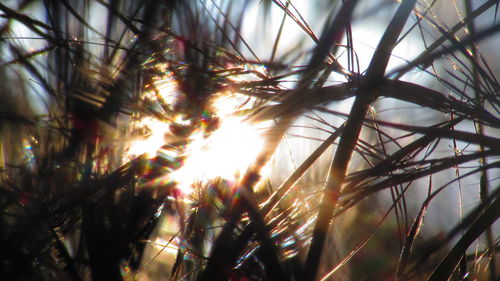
<point x="78" y="76"/>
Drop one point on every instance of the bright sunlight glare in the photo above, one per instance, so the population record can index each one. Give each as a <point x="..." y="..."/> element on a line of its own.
<point x="224" y="153"/>
<point x="153" y="141"/>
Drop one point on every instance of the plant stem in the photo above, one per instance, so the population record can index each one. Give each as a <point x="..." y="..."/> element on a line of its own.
<point x="483" y="181"/>
<point x="366" y="95"/>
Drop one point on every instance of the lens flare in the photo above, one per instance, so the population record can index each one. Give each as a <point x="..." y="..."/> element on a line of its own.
<point x="152" y="142"/>
<point x="226" y="153"/>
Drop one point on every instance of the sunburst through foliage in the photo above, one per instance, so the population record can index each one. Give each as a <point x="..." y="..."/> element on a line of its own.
<point x="224" y="145"/>
<point x="249" y="140"/>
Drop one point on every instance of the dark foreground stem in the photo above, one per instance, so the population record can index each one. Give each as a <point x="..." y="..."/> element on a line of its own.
<point x="226" y="249"/>
<point x="366" y="95"/>
<point x="483" y="182"/>
<point x="332" y="190"/>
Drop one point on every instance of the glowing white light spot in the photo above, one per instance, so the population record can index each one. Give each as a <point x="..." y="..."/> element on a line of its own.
<point x="226" y="153"/>
<point x="153" y="140"/>
<point x="169" y="247"/>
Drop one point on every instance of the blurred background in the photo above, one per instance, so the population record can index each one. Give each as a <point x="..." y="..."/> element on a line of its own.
<point x="130" y="128"/>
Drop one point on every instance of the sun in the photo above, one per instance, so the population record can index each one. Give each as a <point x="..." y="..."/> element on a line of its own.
<point x="227" y="152"/>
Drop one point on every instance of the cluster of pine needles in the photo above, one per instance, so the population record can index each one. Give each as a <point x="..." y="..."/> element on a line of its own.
<point x="74" y="74"/>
